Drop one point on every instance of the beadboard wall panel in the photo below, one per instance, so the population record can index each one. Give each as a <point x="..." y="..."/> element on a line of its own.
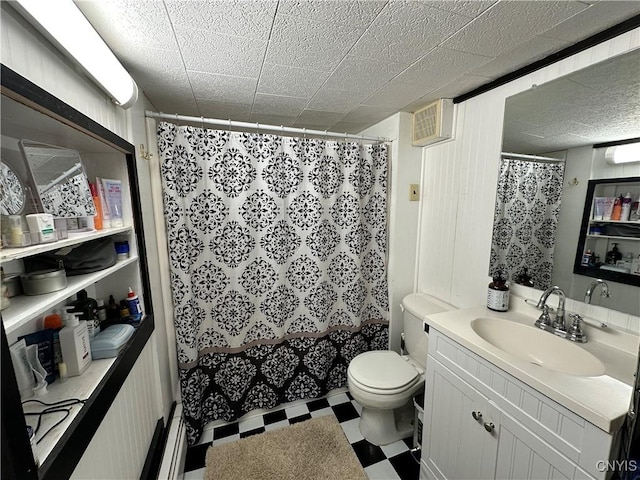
<point x="25" y="51"/>
<point x="460" y="177"/>
<point x="119" y="448"/>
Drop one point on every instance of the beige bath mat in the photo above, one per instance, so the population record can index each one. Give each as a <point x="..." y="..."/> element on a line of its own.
<point x="315" y="449"/>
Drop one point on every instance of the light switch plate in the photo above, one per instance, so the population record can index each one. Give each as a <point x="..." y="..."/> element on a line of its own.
<point x="414" y="192"/>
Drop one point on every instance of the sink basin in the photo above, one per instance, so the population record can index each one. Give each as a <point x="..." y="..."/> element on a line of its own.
<point x="537" y="347"/>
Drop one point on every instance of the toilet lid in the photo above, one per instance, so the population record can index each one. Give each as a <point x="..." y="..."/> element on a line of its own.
<point x="382" y="369"/>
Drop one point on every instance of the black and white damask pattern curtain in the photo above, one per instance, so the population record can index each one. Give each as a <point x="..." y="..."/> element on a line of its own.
<point x="278" y="265"/>
<point x="526" y="219"/>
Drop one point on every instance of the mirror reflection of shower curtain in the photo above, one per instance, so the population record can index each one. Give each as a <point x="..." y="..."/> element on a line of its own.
<point x="526" y="219"/>
<point x="278" y="258"/>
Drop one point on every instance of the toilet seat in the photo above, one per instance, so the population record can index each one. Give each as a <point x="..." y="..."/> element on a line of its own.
<point x="382" y="372"/>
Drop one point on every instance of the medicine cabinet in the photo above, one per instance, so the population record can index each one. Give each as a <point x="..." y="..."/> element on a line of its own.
<point x="599" y="232"/>
<point x="28" y="112"/>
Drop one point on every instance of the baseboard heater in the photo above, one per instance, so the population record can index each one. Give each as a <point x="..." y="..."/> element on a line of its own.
<point x="175" y="452"/>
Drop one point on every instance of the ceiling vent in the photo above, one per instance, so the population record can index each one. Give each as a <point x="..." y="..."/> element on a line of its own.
<point x="433" y="123"/>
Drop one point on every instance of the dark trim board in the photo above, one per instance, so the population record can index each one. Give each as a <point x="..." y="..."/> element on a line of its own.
<point x="157" y="448"/>
<point x="617" y="142"/>
<point x="589" y="42"/>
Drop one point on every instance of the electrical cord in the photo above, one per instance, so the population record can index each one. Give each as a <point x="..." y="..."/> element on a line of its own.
<point x="55" y="407"/>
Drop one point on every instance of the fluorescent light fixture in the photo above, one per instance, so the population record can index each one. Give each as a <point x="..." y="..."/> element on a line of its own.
<point x="68" y="29"/>
<point x="627" y="153"/>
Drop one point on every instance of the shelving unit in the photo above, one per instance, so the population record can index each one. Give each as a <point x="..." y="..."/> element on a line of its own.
<point x="25" y="307"/>
<point x="30" y="112"/>
<point x="627" y="236"/>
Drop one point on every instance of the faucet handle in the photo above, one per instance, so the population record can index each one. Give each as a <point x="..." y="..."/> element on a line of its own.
<point x="544" y="320"/>
<point x="575" y="333"/>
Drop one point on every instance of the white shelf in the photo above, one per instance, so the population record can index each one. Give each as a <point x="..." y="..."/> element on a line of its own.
<point x="614" y="237"/>
<point x="8" y="253"/>
<point x="26" y="307"/>
<point x="80" y="387"/>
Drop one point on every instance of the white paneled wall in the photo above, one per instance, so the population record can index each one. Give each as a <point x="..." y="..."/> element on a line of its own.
<point x="119" y="447"/>
<point x="460" y="177"/>
<point x="23" y="51"/>
<point x="127" y="430"/>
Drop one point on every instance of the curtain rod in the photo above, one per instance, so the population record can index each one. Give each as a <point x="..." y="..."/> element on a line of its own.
<point x="531" y="157"/>
<point x="259" y="126"/>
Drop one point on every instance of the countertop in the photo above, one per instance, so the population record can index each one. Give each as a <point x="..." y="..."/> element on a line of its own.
<point x="602" y="400"/>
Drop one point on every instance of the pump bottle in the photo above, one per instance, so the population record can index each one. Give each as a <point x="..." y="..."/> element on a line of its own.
<point x="74" y="342"/>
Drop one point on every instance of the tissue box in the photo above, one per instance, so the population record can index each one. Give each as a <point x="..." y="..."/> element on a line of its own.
<point x="110" y="341"/>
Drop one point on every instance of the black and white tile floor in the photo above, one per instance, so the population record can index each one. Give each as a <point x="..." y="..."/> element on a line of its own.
<point x="389" y="462"/>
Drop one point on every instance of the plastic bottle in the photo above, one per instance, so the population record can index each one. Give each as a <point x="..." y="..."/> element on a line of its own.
<point x="613" y="255"/>
<point x="88" y="309"/>
<point x="74" y="342"/>
<point x="587" y="258"/>
<point x="102" y="310"/>
<point x="617" y="209"/>
<point x="53" y="320"/>
<point x="498" y="294"/>
<point x="133" y="302"/>
<point x="97" y="220"/>
<point x="625" y="211"/>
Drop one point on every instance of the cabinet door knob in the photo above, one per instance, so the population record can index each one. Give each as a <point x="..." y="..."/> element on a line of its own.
<point x="489" y="427"/>
<point x="476" y="415"/>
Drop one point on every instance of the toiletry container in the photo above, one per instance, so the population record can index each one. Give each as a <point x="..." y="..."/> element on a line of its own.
<point x="613" y="255"/>
<point x="74" y="342"/>
<point x="42" y="225"/>
<point x="110" y="342"/>
<point x="498" y="294"/>
<point x="88" y="310"/>
<point x="133" y="302"/>
<point x="626" y="207"/>
<point x="617" y="209"/>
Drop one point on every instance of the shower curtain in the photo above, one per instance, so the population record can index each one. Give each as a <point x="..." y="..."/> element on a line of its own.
<point x="278" y="258"/>
<point x="526" y="219"/>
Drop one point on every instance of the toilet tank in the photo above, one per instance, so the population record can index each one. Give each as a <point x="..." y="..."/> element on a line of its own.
<point x="416" y="306"/>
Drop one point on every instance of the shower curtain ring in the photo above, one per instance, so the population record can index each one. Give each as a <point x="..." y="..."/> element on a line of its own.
<point x="202" y="121"/>
<point x="229" y="125"/>
<point x="304" y="132"/>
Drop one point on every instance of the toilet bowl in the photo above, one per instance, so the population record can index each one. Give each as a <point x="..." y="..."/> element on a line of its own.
<point x="384" y="382"/>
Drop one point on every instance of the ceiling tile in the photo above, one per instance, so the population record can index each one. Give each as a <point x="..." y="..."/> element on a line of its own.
<point x="363" y="74"/>
<point x="168" y="100"/>
<point x="524" y="54"/>
<point x="468" y="8"/>
<point x="278" y="105"/>
<point x="272" y="119"/>
<point x="350" y="127"/>
<point x="459" y="86"/>
<point x="225" y="88"/>
<point x="290" y="81"/>
<point x="328" y="99"/>
<point x="405" y="31"/>
<point x="318" y="118"/>
<point x="150" y="66"/>
<point x="364" y="114"/>
<point x="304" y="43"/>
<point x="240" y="18"/>
<point x="357" y="13"/>
<point x="394" y="96"/>
<point x="507" y="24"/>
<point x="127" y="23"/>
<point x="240" y="112"/>
<point x="451" y="64"/>
<point x="597" y="17"/>
<point x="216" y="53"/>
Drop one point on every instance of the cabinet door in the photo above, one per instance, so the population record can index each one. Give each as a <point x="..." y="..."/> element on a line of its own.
<point x="456" y="444"/>
<point x="524" y="455"/>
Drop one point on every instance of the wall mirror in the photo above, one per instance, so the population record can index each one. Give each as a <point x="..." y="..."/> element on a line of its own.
<point x="548" y="159"/>
<point x="60" y="179"/>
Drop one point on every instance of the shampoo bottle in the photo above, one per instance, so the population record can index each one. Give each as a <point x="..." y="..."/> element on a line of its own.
<point x="74" y="342"/>
<point x="88" y="309"/>
<point x="617" y="209"/>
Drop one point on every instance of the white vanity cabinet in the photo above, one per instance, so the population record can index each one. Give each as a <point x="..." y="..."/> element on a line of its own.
<point x="480" y="422"/>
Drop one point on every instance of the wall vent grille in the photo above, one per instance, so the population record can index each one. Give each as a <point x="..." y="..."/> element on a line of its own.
<point x="433" y="123"/>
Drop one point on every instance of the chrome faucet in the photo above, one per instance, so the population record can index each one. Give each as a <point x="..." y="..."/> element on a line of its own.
<point x="558" y="323"/>
<point x="591" y="288"/>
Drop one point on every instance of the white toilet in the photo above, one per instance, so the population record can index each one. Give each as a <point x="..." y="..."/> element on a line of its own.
<point x="384" y="382"/>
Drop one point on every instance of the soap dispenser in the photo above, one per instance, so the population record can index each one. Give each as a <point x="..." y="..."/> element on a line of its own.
<point x="74" y="342"/>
